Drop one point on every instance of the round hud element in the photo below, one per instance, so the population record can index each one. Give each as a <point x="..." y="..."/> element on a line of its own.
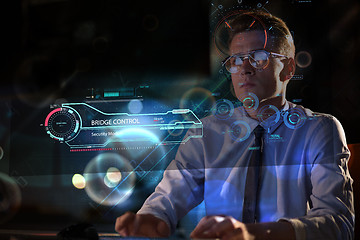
<point x="150" y="22"/>
<point x="222" y="31"/>
<point x="250" y="101"/>
<point x="63" y="124"/>
<point x="240" y="131"/>
<point x="223" y="109"/>
<point x="110" y="179"/>
<point x="266" y="112"/>
<point x="303" y="59"/>
<point x="294" y="118"/>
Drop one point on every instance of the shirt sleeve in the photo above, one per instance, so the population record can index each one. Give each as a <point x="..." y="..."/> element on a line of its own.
<point x="331" y="209"/>
<point x="182" y="186"/>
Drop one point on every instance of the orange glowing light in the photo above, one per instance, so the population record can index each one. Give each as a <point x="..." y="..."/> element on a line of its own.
<point x="228" y="24"/>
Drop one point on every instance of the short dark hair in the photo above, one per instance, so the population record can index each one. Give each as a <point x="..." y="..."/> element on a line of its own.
<point x="278" y="34"/>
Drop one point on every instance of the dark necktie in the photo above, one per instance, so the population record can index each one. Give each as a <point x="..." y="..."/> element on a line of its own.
<point x="252" y="178"/>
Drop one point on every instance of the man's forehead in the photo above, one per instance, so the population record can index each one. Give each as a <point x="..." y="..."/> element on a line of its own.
<point x="247" y="41"/>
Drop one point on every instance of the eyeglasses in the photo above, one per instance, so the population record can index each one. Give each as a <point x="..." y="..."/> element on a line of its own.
<point x="259" y="59"/>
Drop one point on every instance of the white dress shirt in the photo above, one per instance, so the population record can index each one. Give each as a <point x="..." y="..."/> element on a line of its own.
<point x="304" y="175"/>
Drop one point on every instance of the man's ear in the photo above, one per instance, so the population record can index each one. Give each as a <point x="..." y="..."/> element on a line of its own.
<point x="289" y="70"/>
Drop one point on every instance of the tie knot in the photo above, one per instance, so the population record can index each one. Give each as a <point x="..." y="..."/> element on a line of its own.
<point x="259" y="131"/>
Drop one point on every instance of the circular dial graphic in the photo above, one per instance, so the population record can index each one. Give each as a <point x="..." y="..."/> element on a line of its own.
<point x="62" y="124"/>
<point x="240" y="131"/>
<point x="223" y="109"/>
<point x="269" y="115"/>
<point x="294" y="118"/>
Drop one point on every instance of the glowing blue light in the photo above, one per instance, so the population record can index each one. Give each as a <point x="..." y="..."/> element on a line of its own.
<point x="135" y="106"/>
<point x="137" y="133"/>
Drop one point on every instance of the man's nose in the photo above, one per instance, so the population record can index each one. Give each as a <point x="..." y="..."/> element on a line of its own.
<point x="247" y="68"/>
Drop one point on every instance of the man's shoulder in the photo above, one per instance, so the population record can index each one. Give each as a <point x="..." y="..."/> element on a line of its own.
<point x="311" y="116"/>
<point x="308" y="112"/>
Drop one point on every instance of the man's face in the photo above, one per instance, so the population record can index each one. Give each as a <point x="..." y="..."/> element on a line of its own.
<point x="265" y="83"/>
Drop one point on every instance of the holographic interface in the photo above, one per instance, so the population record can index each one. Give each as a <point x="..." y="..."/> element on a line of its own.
<point x="81" y="125"/>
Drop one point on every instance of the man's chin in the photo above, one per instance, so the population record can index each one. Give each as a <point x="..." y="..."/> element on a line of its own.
<point x="241" y="95"/>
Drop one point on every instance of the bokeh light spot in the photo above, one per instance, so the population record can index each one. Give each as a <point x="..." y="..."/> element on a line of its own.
<point x="113" y="174"/>
<point x="135" y="106"/>
<point x="303" y="59"/>
<point x="100" y="175"/>
<point x="78" y="181"/>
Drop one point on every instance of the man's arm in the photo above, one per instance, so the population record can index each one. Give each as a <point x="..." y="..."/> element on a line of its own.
<point x="331" y="213"/>
<point x="180" y="190"/>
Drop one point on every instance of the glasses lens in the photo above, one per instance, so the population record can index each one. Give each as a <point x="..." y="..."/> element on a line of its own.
<point x="259" y="59"/>
<point x="233" y="64"/>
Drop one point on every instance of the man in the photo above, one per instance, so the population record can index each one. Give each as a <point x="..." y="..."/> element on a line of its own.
<point x="295" y="175"/>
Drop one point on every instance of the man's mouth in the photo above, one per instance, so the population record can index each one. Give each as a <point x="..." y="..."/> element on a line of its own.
<point x="246" y="85"/>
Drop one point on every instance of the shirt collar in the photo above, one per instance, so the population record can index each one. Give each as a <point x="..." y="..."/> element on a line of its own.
<point x="270" y="124"/>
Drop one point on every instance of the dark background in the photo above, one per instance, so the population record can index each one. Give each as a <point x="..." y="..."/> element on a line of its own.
<point x="58" y="50"/>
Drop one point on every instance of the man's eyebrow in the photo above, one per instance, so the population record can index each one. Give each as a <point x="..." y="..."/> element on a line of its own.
<point x="243" y="53"/>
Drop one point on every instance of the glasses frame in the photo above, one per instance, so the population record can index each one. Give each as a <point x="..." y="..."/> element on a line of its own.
<point x="244" y="56"/>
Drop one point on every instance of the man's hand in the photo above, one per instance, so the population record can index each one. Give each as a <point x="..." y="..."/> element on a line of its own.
<point x="141" y="225"/>
<point x="223" y="227"/>
<point x="226" y="227"/>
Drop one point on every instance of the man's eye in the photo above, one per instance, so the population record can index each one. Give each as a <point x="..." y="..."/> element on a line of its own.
<point x="260" y="56"/>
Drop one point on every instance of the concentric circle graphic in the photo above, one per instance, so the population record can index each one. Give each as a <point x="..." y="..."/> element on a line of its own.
<point x="62" y="124"/>
<point x="303" y="59"/>
<point x="110" y="179"/>
<point x="250" y="101"/>
<point x="270" y="113"/>
<point x="223" y="109"/>
<point x="294" y="118"/>
<point x="240" y="131"/>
